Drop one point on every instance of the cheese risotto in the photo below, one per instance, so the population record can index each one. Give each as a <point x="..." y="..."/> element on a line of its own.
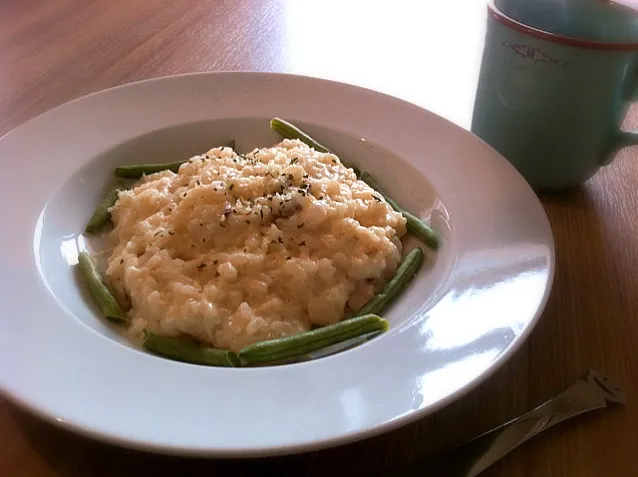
<point x="235" y="249"/>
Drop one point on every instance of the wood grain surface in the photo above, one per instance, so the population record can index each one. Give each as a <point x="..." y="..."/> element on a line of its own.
<point x="53" y="51"/>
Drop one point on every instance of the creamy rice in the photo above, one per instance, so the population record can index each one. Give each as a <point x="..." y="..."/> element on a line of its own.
<point x="235" y="249"/>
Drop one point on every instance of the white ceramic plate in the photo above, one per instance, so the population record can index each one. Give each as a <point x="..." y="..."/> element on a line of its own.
<point x="465" y="314"/>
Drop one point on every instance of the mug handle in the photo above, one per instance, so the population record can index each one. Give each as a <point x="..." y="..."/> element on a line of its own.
<point x="626" y="139"/>
<point x="622" y="140"/>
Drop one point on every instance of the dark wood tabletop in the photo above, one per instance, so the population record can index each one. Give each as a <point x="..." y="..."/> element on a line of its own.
<point x="427" y="53"/>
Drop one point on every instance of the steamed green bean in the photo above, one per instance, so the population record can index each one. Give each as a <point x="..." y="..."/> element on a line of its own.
<point x="304" y="343"/>
<point x="405" y="273"/>
<point x="189" y="352"/>
<point x="135" y="171"/>
<point x="102" y="215"/>
<point x="109" y="306"/>
<point x="414" y="224"/>
<point x="290" y="131"/>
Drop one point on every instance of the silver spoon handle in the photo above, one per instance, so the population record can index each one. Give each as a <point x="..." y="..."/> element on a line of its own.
<point x="474" y="456"/>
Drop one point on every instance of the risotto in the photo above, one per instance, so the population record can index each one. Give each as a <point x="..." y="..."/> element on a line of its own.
<point x="235" y="249"/>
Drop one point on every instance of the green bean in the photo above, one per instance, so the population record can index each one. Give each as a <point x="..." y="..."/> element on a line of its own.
<point x="289" y="131"/>
<point x="189" y="352"/>
<point x="297" y="345"/>
<point x="135" y="171"/>
<point x="102" y="215"/>
<point x="405" y="273"/>
<point x="414" y="224"/>
<point x="101" y="294"/>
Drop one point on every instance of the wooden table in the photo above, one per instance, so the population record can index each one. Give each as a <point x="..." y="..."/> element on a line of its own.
<point x="425" y="52"/>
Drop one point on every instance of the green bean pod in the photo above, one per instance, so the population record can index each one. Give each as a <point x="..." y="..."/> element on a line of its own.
<point x="135" y="171"/>
<point x="290" y="131"/>
<point x="109" y="306"/>
<point x="297" y="345"/>
<point x="189" y="352"/>
<point x="102" y="215"/>
<point x="405" y="273"/>
<point x="414" y="224"/>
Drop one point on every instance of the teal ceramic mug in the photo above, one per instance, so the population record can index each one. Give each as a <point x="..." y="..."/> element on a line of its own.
<point x="553" y="105"/>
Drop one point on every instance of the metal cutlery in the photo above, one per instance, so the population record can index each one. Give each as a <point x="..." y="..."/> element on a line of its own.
<point x="474" y="456"/>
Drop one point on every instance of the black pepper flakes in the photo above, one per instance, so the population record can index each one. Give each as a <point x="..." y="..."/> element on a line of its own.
<point x="215" y="262"/>
<point x="280" y="240"/>
<point x="301" y="225"/>
<point x="121" y="261"/>
<point x="222" y="225"/>
<point x="171" y="233"/>
<point x="201" y="265"/>
<point x="201" y="224"/>
<point x="231" y="187"/>
<point x="247" y="221"/>
<point x="302" y="243"/>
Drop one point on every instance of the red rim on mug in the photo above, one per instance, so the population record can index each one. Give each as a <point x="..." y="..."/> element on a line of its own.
<point x="509" y="22"/>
